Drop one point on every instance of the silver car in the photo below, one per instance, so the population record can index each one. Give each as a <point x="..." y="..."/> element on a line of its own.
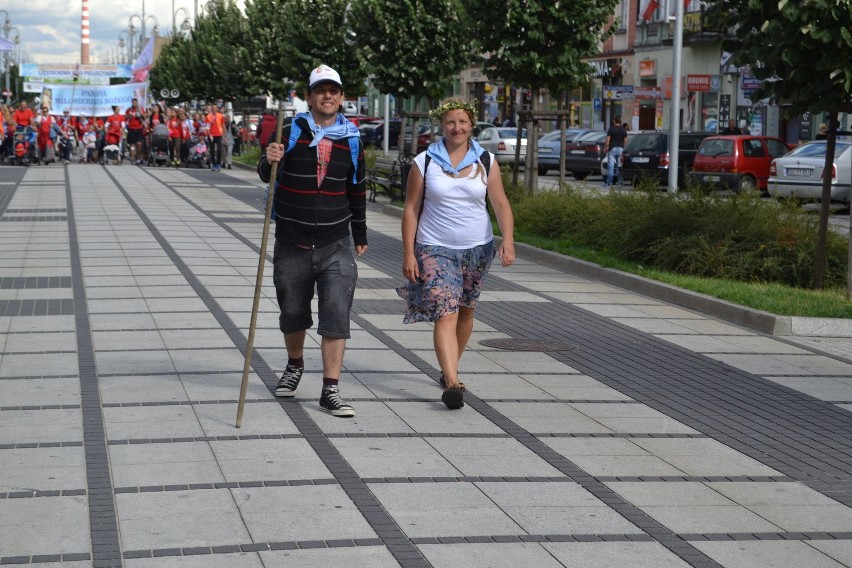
<point x="501" y="142"/>
<point x="799" y="173"/>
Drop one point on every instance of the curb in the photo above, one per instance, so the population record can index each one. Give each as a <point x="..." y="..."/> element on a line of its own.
<point x="757" y="320"/>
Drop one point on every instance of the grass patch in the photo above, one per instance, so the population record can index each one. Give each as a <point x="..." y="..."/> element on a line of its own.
<point x="249" y="156"/>
<point x="749" y="251"/>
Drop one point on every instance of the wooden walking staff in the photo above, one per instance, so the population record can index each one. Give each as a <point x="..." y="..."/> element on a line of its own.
<point x="259" y="283"/>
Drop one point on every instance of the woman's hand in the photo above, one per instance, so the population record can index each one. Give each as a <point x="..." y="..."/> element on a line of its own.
<point x="507" y="252"/>
<point x="409" y="268"/>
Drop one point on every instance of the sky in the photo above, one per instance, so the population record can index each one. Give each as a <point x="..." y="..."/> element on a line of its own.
<point x="50" y="29"/>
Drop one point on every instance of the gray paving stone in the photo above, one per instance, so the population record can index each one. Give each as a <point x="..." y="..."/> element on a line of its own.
<point x="389" y="386"/>
<point x="184" y="319"/>
<point x="614" y="554"/>
<point x="151" y="422"/>
<point x="42" y="469"/>
<point x="38" y="392"/>
<point x="143" y="388"/>
<point x="488" y="555"/>
<point x="38" y="364"/>
<point x="18" y="426"/>
<point x="163" y="464"/>
<point x="704" y="457"/>
<point x="106" y="322"/>
<point x="179" y="519"/>
<point x="556" y="508"/>
<point x="766" y="554"/>
<point x="395" y="457"/>
<point x="370" y="417"/>
<point x="133" y="362"/>
<point x="223" y="386"/>
<point x="492" y="457"/>
<point x="433" y="417"/>
<point x="258" y="418"/>
<point x="839" y="550"/>
<point x="559" y="418"/>
<point x="300" y="513"/>
<point x="249" y="460"/>
<point x="41" y="342"/>
<point x="444" y="510"/>
<point x="27" y="324"/>
<point x="366" y="360"/>
<point x="710" y="519"/>
<point x="196" y="338"/>
<point x="31" y="526"/>
<point x="202" y="360"/>
<point x="361" y="556"/>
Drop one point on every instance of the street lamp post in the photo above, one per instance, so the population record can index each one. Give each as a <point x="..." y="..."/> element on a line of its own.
<point x="185" y="25"/>
<point x="132" y="31"/>
<point x="7" y="29"/>
<point x="122" y="44"/>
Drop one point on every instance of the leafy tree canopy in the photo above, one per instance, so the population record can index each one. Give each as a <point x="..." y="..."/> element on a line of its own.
<point x="411" y="47"/>
<point x="799" y="47"/>
<point x="542" y="43"/>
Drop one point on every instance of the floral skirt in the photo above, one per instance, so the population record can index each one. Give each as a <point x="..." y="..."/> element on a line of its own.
<point x="449" y="279"/>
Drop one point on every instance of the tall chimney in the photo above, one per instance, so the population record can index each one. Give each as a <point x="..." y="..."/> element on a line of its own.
<point x="84" y="28"/>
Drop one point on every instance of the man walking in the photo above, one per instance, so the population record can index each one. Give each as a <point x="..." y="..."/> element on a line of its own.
<point x="135" y="121"/>
<point x="320" y="208"/>
<point x="215" y="127"/>
<point x="616" y="138"/>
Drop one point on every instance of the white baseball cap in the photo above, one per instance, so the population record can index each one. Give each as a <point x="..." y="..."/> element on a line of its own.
<point x="322" y="74"/>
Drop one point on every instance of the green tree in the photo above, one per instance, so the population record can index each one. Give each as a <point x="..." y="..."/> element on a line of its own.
<point x="209" y="64"/>
<point x="267" y="50"/>
<point x="801" y="51"/>
<point x="541" y="44"/>
<point x="411" y="48"/>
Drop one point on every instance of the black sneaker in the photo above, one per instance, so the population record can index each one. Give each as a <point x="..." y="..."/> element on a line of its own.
<point x="331" y="402"/>
<point x="289" y="381"/>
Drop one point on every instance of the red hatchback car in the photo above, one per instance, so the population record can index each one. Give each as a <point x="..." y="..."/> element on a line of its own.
<point x="739" y="162"/>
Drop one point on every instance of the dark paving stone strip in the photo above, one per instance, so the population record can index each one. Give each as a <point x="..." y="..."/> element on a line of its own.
<point x="39" y="210"/>
<point x="33" y="218"/>
<point x="225" y="485"/>
<point x="135" y="441"/>
<point x="46" y="558"/>
<point x="41" y="407"/>
<point x="22" y="445"/>
<point x="367" y="504"/>
<point x="31" y="493"/>
<point x="103" y="523"/>
<point x="40" y="307"/>
<point x="34" y="282"/>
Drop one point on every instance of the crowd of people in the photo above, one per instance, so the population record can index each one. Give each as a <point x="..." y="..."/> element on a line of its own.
<point x="45" y="137"/>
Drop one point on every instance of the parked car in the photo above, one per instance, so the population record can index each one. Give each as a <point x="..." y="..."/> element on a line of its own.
<point x="584" y="154"/>
<point x="646" y="155"/>
<point x="373" y="133"/>
<point x="740" y="162"/>
<point x="501" y="142"/>
<point x="480" y="126"/>
<point x="799" y="173"/>
<point x="548" y="147"/>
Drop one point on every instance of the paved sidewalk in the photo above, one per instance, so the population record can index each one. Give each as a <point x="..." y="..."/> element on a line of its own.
<point x="630" y="432"/>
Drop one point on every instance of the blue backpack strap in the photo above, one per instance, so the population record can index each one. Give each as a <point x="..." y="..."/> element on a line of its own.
<point x="295" y="132"/>
<point x="354" y="150"/>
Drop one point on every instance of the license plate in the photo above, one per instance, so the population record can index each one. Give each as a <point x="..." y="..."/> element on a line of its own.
<point x="798" y="172"/>
<point x="545" y="150"/>
<point x="641" y="160"/>
<point x="710" y="178"/>
<point x="578" y="152"/>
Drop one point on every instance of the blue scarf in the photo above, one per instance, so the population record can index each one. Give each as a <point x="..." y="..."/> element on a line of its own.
<point x="341" y="128"/>
<point x="438" y="152"/>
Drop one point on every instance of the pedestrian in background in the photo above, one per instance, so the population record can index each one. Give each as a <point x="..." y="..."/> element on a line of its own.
<point x="229" y="135"/>
<point x="321" y="207"/>
<point x="616" y="138"/>
<point x="731" y="129"/>
<point x="447" y="241"/>
<point x="215" y="121"/>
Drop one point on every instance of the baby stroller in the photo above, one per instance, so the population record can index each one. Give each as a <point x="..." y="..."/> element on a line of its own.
<point x="159" y="145"/>
<point x="25" y="147"/>
<point x="112" y="154"/>
<point x="198" y="152"/>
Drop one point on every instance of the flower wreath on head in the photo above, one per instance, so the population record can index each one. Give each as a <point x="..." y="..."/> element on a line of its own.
<point x="455" y="104"/>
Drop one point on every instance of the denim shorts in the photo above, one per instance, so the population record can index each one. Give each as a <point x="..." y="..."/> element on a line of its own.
<point x="331" y="269"/>
<point x="449" y="279"/>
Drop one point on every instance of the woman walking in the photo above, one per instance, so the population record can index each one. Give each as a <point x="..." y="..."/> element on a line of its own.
<point x="447" y="240"/>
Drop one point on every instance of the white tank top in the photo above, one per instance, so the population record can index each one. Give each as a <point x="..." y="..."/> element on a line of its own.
<point x="454" y="212"/>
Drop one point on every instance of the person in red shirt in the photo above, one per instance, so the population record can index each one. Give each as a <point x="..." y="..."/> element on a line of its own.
<point x="216" y="127"/>
<point x="135" y="119"/>
<point x="24" y="116"/>
<point x="47" y="130"/>
<point x="115" y="128"/>
<point x="175" y="135"/>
